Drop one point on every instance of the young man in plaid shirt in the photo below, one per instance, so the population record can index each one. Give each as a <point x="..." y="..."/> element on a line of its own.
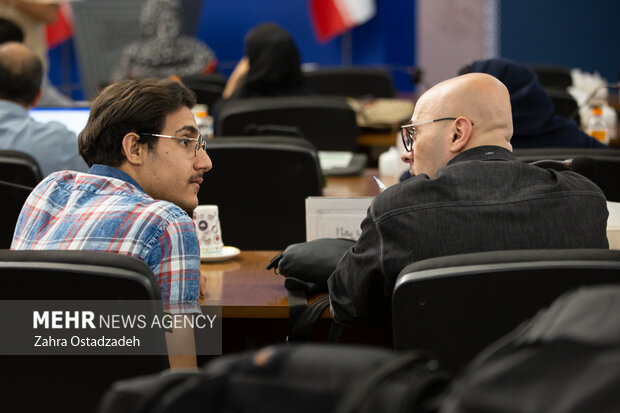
<point x="146" y="160"/>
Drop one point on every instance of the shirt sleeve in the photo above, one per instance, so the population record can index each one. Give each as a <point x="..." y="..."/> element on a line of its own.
<point x="357" y="288"/>
<point x="176" y="261"/>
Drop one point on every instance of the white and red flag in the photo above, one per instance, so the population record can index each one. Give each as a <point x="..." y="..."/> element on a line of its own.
<point x="333" y="17"/>
<point x="62" y="28"/>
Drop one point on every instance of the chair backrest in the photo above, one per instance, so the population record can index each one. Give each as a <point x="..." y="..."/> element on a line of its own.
<point x="260" y="185"/>
<point x="564" y="104"/>
<point x="19" y="168"/>
<point x="355" y="82"/>
<point x="208" y="87"/>
<point x="601" y="166"/>
<point x="328" y="122"/>
<point x="456" y="305"/>
<point x="14" y="196"/>
<point x="552" y="75"/>
<point x="72" y="383"/>
<point x="19" y="174"/>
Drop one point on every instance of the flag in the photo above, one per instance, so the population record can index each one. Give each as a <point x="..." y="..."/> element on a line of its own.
<point x="333" y="17"/>
<point x="62" y="29"/>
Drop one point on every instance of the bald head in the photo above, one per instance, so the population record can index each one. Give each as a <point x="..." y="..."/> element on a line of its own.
<point x="21" y="73"/>
<point x="481" y="98"/>
<point x="456" y="115"/>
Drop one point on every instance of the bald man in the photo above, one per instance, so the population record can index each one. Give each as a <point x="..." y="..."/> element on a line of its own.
<point x="53" y="146"/>
<point x="468" y="194"/>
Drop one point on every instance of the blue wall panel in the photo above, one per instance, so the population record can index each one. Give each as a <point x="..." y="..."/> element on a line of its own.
<point x="573" y="33"/>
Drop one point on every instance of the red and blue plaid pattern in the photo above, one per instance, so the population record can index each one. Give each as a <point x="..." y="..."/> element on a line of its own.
<point x="76" y="211"/>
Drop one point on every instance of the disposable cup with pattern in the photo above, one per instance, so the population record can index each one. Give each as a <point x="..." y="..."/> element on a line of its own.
<point x="207" y="222"/>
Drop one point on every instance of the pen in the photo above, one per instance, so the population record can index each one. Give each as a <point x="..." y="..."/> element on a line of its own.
<point x="382" y="186"/>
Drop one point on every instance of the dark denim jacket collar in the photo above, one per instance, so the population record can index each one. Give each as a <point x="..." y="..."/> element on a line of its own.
<point x="109" y="171"/>
<point x="484" y="153"/>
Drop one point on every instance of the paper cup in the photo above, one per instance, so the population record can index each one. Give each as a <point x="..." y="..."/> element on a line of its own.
<point x="207" y="223"/>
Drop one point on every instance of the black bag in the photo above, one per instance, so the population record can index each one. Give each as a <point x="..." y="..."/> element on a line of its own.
<point x="308" y="265"/>
<point x="302" y="378"/>
<point x="566" y="359"/>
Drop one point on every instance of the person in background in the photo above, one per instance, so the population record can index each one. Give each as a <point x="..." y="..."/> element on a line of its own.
<point x="31" y="16"/>
<point x="162" y="50"/>
<point x="271" y="66"/>
<point x="535" y="123"/>
<point x="467" y="193"/>
<point x="10" y="32"/>
<point x="51" y="144"/>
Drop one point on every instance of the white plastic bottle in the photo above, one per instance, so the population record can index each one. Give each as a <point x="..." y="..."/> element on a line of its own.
<point x="597" y="128"/>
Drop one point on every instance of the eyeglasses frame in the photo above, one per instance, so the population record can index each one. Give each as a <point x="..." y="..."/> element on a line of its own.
<point x="201" y="142"/>
<point x="408" y="137"/>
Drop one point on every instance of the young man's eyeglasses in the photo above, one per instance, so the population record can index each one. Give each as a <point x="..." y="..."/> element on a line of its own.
<point x="407" y="132"/>
<point x="201" y="142"/>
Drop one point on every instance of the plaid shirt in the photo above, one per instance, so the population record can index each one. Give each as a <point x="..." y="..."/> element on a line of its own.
<point x="106" y="210"/>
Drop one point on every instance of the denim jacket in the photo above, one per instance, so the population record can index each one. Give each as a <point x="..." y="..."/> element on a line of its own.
<point x="483" y="200"/>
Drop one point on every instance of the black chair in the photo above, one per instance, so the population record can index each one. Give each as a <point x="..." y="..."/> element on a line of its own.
<point x="19" y="174"/>
<point x="357" y="82"/>
<point x="552" y="75"/>
<point x="328" y="122"/>
<point x="260" y="185"/>
<point x="564" y="104"/>
<point x="456" y="305"/>
<point x="208" y="87"/>
<point x="14" y="196"/>
<point x="601" y="166"/>
<point x="62" y="382"/>
<point x="19" y="168"/>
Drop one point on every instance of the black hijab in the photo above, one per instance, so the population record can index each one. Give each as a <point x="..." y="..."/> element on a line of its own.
<point x="534" y="121"/>
<point x="274" y="64"/>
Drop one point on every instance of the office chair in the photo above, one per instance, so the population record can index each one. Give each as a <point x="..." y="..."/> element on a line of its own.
<point x="328" y="122"/>
<point x="601" y="166"/>
<point x="552" y="75"/>
<point x="19" y="168"/>
<point x="357" y="82"/>
<point x="207" y="87"/>
<point x="456" y="305"/>
<point x="14" y="196"/>
<point x="19" y="174"/>
<point x="73" y="383"/>
<point x="564" y="104"/>
<point x="260" y="185"/>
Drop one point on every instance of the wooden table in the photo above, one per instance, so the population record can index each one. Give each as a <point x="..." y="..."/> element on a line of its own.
<point x="244" y="288"/>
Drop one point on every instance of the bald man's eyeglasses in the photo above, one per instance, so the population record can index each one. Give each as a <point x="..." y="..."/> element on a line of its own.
<point x="407" y="132"/>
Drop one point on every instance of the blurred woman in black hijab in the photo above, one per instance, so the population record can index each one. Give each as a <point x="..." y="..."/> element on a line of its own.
<point x="270" y="67"/>
<point x="535" y="123"/>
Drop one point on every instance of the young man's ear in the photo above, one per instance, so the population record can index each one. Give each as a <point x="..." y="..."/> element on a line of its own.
<point x="133" y="148"/>
<point x="461" y="135"/>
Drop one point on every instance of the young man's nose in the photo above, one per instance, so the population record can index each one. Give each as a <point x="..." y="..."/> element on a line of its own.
<point x="203" y="161"/>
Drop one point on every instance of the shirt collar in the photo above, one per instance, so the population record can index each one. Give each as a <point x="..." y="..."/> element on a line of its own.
<point x="484" y="153"/>
<point x="111" y="172"/>
<point x="15" y="107"/>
